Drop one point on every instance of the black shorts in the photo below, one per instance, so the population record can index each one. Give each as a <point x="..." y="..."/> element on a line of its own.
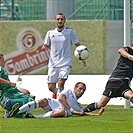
<point x="116" y="87"/>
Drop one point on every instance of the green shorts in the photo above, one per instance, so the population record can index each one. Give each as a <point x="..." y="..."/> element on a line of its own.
<point x="14" y="96"/>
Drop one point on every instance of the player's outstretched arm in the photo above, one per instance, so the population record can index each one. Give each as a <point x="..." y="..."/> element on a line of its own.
<point x="77" y="113"/>
<point x="3" y="81"/>
<point x="91" y="114"/>
<point x="125" y="54"/>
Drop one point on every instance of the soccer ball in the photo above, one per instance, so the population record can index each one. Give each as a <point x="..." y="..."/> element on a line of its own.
<point x="81" y="52"/>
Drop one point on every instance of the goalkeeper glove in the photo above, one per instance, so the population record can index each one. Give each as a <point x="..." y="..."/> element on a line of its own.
<point x="130" y="57"/>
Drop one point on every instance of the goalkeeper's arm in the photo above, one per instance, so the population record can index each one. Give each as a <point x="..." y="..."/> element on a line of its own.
<point x="130" y="57"/>
<point x="125" y="54"/>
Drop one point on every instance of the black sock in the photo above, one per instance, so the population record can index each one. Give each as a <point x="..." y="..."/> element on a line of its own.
<point x="131" y="99"/>
<point x="90" y="107"/>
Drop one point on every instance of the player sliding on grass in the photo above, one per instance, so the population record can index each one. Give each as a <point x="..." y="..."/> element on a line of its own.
<point x="60" y="41"/>
<point x="118" y="84"/>
<point x="9" y="93"/>
<point x="66" y="105"/>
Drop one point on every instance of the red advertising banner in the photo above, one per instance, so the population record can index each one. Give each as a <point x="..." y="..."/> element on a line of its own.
<point x="29" y="56"/>
<point x="25" y="62"/>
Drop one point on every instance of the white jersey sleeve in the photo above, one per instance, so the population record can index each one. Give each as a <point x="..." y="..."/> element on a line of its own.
<point x="72" y="100"/>
<point x="74" y="37"/>
<point x="47" y="39"/>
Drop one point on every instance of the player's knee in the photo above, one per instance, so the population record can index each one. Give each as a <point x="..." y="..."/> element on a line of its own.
<point x="51" y="87"/>
<point x="43" y="102"/>
<point x="58" y="113"/>
<point x="61" y="83"/>
<point x="27" y="92"/>
<point x="62" y="112"/>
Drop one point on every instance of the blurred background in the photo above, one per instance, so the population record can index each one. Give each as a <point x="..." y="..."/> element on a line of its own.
<point x="74" y="9"/>
<point x="98" y="24"/>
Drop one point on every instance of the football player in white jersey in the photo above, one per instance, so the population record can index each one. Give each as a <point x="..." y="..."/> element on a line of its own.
<point x="59" y="41"/>
<point x="66" y="105"/>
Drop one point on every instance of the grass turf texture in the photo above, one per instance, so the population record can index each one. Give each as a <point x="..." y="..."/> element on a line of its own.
<point x="115" y="119"/>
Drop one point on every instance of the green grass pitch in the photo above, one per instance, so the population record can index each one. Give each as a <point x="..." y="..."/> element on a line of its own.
<point x="115" y="119"/>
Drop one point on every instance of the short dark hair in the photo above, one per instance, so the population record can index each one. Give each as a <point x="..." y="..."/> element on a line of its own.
<point x="60" y="13"/>
<point x="76" y="85"/>
<point x="1" y="54"/>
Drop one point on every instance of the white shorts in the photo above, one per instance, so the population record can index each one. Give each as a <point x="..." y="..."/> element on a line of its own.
<point x="54" y="104"/>
<point x="58" y="72"/>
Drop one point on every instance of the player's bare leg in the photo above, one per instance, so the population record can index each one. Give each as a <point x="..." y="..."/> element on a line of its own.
<point x="103" y="102"/>
<point x="58" y="113"/>
<point x="25" y="91"/>
<point x="93" y="106"/>
<point x="61" y="83"/>
<point x="52" y="114"/>
<point x="129" y="95"/>
<point x="52" y="88"/>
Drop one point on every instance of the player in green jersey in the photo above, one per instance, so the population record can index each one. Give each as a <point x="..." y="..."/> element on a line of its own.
<point x="10" y="95"/>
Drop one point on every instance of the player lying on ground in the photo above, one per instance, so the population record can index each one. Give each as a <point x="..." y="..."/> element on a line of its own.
<point x="9" y="93"/>
<point x="7" y="113"/>
<point x="118" y="84"/>
<point x="65" y="105"/>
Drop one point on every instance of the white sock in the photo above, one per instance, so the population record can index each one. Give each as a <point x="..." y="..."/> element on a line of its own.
<point x="46" y="115"/>
<point x="29" y="106"/>
<point x="39" y="116"/>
